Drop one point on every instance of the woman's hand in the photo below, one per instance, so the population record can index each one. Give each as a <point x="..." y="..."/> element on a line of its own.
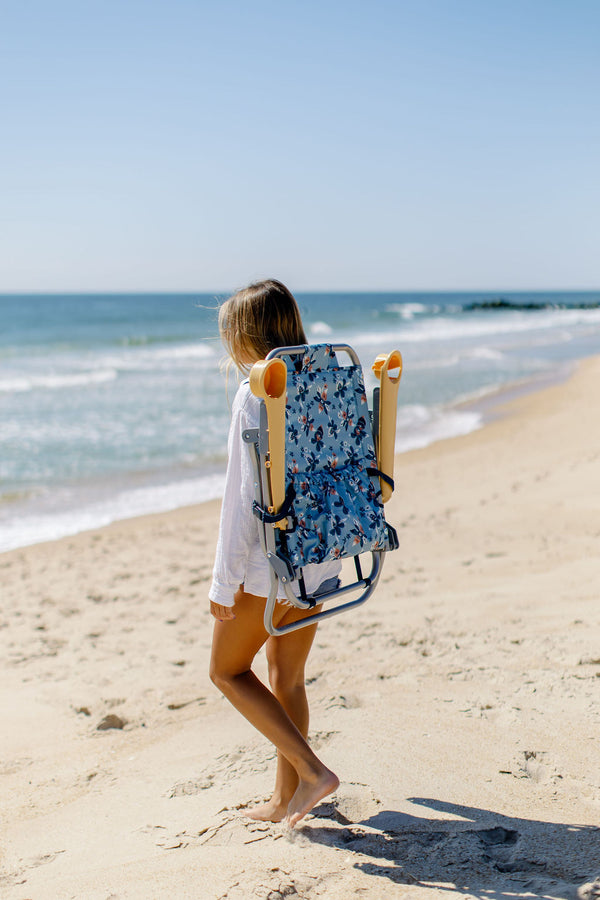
<point x="221" y="612"/>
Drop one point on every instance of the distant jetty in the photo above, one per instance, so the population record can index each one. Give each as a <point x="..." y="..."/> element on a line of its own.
<point x="501" y="303"/>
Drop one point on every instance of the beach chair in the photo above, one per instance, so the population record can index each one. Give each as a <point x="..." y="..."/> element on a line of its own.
<point x="323" y="466"/>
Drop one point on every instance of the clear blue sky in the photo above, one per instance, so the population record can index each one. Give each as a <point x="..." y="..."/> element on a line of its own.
<point x="382" y="144"/>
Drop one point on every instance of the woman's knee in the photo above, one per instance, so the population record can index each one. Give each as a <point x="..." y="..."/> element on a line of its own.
<point x="285" y="679"/>
<point x="220" y="675"/>
<point x="215" y="673"/>
<point x="224" y="674"/>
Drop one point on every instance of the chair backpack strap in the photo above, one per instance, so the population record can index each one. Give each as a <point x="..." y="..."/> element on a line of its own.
<point x="270" y="518"/>
<point x="379" y="474"/>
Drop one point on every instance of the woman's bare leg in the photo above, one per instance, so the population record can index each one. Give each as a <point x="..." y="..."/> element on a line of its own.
<point x="286" y="656"/>
<point x="235" y="644"/>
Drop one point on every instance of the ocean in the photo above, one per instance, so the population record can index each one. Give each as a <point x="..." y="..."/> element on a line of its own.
<point x="113" y="406"/>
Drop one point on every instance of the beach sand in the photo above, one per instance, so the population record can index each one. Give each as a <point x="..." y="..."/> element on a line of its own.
<point x="460" y="706"/>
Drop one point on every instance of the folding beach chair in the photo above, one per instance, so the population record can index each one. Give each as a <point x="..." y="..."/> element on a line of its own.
<point x="323" y="468"/>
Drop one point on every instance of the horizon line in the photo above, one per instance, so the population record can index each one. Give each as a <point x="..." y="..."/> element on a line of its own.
<point x="221" y="291"/>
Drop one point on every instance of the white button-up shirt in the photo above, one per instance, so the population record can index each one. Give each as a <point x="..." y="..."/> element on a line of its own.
<point x="239" y="557"/>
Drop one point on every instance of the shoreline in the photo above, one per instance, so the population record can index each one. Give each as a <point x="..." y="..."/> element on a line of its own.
<point x="460" y="706"/>
<point x="490" y="403"/>
<point x="487" y="407"/>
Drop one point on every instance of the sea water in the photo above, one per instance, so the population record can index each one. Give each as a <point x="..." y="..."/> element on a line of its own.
<point x="113" y="406"/>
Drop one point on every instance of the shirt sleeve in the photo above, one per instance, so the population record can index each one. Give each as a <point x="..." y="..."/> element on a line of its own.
<point x="238" y="531"/>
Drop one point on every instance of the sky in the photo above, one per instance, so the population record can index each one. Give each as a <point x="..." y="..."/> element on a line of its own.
<point x="183" y="145"/>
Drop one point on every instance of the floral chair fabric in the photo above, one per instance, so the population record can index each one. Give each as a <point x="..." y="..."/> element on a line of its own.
<point x="337" y="510"/>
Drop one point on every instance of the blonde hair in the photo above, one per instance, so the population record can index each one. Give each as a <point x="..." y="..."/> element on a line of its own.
<point x="258" y="319"/>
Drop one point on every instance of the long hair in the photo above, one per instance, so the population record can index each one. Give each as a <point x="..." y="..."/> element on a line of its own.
<point x="258" y="319"/>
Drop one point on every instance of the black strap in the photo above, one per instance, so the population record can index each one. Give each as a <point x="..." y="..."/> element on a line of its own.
<point x="372" y="471"/>
<point x="270" y="518"/>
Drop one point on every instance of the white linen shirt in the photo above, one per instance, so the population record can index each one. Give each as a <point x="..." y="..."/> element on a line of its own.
<point x="239" y="558"/>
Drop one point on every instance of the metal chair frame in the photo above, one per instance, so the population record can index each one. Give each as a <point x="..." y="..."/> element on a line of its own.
<point x="281" y="569"/>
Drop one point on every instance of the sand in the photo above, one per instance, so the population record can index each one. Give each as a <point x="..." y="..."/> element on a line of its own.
<point x="460" y="706"/>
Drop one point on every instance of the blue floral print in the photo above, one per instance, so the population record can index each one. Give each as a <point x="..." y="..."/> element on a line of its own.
<point x="337" y="509"/>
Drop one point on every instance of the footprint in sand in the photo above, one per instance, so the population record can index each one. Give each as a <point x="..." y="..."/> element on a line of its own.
<point x="343" y="701"/>
<point x="320" y="738"/>
<point x="111" y="721"/>
<point x="181" y="704"/>
<point x="189" y="788"/>
<point x="537" y="766"/>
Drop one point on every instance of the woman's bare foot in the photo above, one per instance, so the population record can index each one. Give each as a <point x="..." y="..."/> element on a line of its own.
<point x="272" y="811"/>
<point x="308" y="794"/>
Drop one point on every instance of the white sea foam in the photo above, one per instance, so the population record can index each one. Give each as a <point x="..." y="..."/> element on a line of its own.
<point x="320" y="329"/>
<point x="109" y="365"/>
<point x="21" y="384"/>
<point x="151" y="358"/>
<point x="486" y="353"/>
<point x="445" y="328"/>
<point x="185" y="351"/>
<point x="441" y="362"/>
<point x="35" y="527"/>
<point x="410" y="310"/>
<point x="556" y="336"/>
<point x="455" y="359"/>
<point x="476" y="354"/>
<point x="419" y="426"/>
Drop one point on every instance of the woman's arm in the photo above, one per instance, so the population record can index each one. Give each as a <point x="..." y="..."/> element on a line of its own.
<point x="237" y="530"/>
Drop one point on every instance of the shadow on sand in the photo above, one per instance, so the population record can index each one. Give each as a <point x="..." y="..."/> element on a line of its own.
<point x="481" y="854"/>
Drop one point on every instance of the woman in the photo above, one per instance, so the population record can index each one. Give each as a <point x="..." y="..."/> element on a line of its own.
<point x="253" y="322"/>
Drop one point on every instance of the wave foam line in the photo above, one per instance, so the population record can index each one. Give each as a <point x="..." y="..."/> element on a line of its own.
<point x="53" y="382"/>
<point x="419" y="426"/>
<point x="21" y="531"/>
<point x="443" y="328"/>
